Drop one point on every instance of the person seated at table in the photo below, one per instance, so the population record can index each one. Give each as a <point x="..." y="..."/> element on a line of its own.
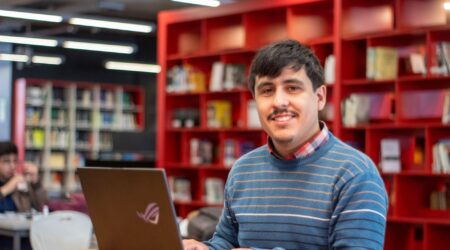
<point x="20" y="191"/>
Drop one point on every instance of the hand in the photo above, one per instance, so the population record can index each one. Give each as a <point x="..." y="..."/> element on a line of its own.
<point x="31" y="172"/>
<point x="194" y="245"/>
<point x="12" y="185"/>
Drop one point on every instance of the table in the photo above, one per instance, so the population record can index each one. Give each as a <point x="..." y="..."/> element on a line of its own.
<point x="15" y="225"/>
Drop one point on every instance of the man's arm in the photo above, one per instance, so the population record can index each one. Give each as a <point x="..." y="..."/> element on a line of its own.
<point x="226" y="235"/>
<point x="359" y="218"/>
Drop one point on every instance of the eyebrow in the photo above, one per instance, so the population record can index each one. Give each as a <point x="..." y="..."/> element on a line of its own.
<point x="287" y="81"/>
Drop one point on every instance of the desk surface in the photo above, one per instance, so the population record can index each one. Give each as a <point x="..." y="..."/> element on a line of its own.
<point x="16" y="221"/>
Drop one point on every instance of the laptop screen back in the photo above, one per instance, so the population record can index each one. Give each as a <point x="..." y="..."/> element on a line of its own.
<point x="130" y="208"/>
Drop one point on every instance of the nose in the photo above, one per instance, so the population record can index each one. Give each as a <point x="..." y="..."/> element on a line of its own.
<point x="281" y="99"/>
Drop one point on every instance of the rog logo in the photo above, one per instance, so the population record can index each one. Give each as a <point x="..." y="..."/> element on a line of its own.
<point x="151" y="213"/>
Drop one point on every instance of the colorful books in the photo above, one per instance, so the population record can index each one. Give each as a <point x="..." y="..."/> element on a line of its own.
<point x="219" y="114"/>
<point x="381" y="63"/>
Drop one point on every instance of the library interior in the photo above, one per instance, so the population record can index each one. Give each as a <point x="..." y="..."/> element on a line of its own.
<point x="89" y="89"/>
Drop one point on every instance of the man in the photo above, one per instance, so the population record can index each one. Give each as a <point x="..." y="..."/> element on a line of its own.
<point x="305" y="189"/>
<point x="19" y="192"/>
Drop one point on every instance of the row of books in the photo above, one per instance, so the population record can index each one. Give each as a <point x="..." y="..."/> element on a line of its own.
<point x="107" y="98"/>
<point x="59" y="116"/>
<point x="441" y="65"/>
<point x="185" y="117"/>
<point x="34" y="137"/>
<point x="419" y="104"/>
<point x="185" y="78"/>
<point x="227" y="76"/>
<point x="35" y="95"/>
<point x="180" y="188"/>
<point x="440" y="197"/>
<point x="59" y="138"/>
<point x="34" y="116"/>
<point x="219" y="114"/>
<point x="384" y="63"/>
<point x="362" y="108"/>
<point x="224" y="76"/>
<point x="201" y="151"/>
<point x="59" y="96"/>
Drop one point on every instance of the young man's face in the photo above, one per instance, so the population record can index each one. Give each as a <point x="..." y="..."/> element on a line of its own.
<point x="288" y="107"/>
<point x="8" y="164"/>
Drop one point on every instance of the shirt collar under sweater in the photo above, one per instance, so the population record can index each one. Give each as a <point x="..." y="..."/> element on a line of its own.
<point x="306" y="149"/>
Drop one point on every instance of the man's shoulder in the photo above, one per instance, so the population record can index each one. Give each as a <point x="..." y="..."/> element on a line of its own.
<point x="353" y="157"/>
<point x="252" y="157"/>
<point x="254" y="154"/>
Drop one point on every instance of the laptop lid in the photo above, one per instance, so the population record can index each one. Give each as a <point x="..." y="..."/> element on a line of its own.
<point x="130" y="208"/>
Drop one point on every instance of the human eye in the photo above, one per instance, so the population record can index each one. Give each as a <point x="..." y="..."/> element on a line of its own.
<point x="265" y="91"/>
<point x="293" y="88"/>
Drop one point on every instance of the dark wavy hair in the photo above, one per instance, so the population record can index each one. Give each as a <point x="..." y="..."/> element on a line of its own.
<point x="7" y="148"/>
<point x="272" y="59"/>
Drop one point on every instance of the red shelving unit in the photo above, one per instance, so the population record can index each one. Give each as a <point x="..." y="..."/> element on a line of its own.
<point x="345" y="29"/>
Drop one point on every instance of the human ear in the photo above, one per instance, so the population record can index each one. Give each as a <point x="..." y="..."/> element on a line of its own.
<point x="321" y="93"/>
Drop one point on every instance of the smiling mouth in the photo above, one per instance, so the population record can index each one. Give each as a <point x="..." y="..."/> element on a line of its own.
<point x="282" y="117"/>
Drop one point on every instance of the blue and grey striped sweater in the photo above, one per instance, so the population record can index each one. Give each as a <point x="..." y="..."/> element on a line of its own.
<point x="332" y="199"/>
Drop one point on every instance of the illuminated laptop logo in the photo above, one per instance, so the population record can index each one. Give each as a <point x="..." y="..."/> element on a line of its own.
<point x="151" y="213"/>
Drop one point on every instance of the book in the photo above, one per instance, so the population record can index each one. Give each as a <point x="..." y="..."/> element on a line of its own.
<point x="57" y="161"/>
<point x="390" y="155"/>
<point x="201" y="151"/>
<point x="214" y="188"/>
<point x="180" y="188"/>
<point x="219" y="114"/>
<point x="234" y="76"/>
<point x="329" y="69"/>
<point x="381" y="63"/>
<point x="420" y="104"/>
<point x="385" y="63"/>
<point x="412" y="59"/>
<point x="217" y="76"/>
<point x="446" y="108"/>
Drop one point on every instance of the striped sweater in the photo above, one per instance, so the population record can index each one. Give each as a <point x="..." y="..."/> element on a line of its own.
<point x="332" y="199"/>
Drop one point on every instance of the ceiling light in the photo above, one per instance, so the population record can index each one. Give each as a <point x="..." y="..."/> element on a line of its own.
<point x="29" y="40"/>
<point x="53" y="60"/>
<point x="209" y="3"/>
<point x="103" y="47"/>
<point x="447" y="5"/>
<point x="31" y="16"/>
<point x="144" y="28"/>
<point x="13" y="57"/>
<point x="129" y="66"/>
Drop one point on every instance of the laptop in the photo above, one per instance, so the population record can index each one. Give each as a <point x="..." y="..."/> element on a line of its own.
<point x="130" y="208"/>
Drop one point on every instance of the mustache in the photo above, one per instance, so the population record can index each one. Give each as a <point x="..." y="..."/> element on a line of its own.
<point x="278" y="111"/>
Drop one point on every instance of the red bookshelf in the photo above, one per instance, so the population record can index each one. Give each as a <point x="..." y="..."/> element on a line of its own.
<point x="347" y="29"/>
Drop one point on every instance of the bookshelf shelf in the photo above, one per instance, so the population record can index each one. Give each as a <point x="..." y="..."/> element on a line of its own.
<point x="350" y="30"/>
<point x="67" y="126"/>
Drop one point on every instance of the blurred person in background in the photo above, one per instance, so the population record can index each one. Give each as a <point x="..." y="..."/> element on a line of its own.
<point x="19" y="191"/>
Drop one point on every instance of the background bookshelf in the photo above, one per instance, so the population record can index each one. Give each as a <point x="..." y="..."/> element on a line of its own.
<point x="58" y="124"/>
<point x="403" y="102"/>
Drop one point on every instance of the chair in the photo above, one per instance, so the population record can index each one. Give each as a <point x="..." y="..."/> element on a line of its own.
<point x="61" y="230"/>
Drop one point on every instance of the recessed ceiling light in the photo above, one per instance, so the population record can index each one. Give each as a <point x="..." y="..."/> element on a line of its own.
<point x="29" y="40"/>
<point x="116" y="25"/>
<point x="209" y="3"/>
<point x="31" y="16"/>
<point x="133" y="66"/>
<point x="102" y="47"/>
